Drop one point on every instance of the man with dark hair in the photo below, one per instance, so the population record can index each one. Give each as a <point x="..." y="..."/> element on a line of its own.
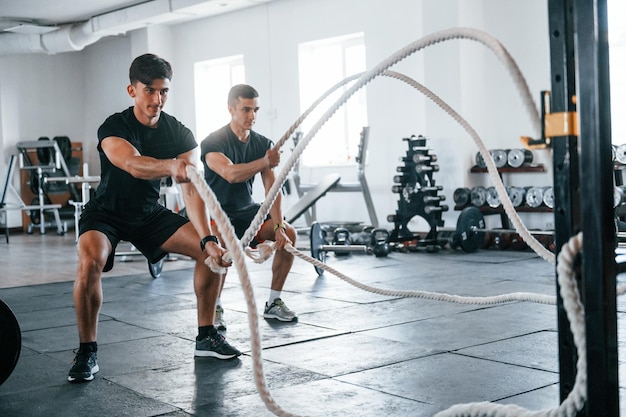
<point x="232" y="157"/>
<point x="137" y="148"/>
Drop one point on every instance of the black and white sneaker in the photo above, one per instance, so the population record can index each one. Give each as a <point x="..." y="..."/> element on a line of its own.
<point x="215" y="346"/>
<point x="84" y="367"/>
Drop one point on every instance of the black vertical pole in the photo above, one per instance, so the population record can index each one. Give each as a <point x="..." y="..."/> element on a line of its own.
<point x="596" y="173"/>
<point x="565" y="165"/>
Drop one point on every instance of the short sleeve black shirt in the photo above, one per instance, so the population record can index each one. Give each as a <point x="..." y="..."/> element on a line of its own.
<point x="235" y="197"/>
<point x="118" y="191"/>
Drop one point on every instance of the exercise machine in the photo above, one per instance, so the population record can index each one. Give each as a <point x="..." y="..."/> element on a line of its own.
<point x="310" y="193"/>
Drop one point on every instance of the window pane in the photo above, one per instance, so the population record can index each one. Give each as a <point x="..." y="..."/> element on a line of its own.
<point x="323" y="64"/>
<point x="213" y="79"/>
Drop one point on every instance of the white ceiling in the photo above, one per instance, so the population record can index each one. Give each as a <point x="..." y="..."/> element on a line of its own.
<point x="60" y="12"/>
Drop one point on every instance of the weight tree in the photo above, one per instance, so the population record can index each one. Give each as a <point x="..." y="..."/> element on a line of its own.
<point x="418" y="193"/>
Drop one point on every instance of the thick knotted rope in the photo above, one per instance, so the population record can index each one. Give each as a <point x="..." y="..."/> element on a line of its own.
<point x="429" y="40"/>
<point x="569" y="290"/>
<point x="566" y="278"/>
<point x="576" y="316"/>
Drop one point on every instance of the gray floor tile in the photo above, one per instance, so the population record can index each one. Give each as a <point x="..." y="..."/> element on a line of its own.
<point x="352" y="352"/>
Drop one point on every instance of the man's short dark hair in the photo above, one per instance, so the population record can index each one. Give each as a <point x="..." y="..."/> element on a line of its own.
<point x="148" y="67"/>
<point x="243" y="91"/>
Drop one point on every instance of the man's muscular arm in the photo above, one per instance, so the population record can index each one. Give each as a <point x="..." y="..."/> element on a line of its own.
<point x="126" y="157"/>
<point x="234" y="173"/>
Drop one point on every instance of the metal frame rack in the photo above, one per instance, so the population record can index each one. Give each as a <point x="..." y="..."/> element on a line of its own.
<point x="582" y="166"/>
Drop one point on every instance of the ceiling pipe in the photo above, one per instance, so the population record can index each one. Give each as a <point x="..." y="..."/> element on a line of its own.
<point x="76" y="36"/>
<point x="67" y="38"/>
<point x="15" y="43"/>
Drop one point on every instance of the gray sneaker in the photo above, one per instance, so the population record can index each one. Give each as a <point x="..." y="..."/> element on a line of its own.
<point x="278" y="310"/>
<point x="219" y="322"/>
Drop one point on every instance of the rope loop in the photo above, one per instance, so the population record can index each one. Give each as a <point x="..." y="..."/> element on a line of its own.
<point x="574" y="402"/>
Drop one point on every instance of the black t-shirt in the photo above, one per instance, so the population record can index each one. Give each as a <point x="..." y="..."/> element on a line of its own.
<point x="235" y="197"/>
<point x="120" y="192"/>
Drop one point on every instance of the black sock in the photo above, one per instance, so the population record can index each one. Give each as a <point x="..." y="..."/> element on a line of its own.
<point x="204" y="331"/>
<point x="91" y="346"/>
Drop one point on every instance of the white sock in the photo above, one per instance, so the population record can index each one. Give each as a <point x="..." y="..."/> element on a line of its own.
<point x="273" y="295"/>
<point x="219" y="302"/>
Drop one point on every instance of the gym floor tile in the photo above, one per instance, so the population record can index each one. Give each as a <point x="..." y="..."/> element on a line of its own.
<point x="321" y="398"/>
<point x="447" y="379"/>
<point x="352" y="352"/>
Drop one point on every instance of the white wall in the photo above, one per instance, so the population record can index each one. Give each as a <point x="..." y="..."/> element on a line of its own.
<point x="72" y="93"/>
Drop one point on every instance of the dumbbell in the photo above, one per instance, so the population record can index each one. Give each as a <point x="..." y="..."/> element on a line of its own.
<point x="518" y="157"/>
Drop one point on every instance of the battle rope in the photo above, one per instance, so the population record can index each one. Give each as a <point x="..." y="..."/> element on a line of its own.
<point x="576" y="316"/>
<point x="437" y="37"/>
<point x="568" y="287"/>
<point x="497" y="299"/>
<point x="577" y="395"/>
<point x="234" y="247"/>
<point x="491" y="166"/>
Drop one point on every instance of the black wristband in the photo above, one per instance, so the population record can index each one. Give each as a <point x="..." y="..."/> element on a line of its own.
<point x="209" y="238"/>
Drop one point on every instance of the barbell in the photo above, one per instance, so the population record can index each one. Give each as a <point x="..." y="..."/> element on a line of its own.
<point x="470" y="231"/>
<point x="376" y="242"/>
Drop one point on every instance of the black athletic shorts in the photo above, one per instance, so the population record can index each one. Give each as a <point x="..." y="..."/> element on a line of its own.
<point x="242" y="219"/>
<point x="146" y="234"/>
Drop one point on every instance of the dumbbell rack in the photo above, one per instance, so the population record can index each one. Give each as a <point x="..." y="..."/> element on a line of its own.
<point x="487" y="210"/>
<point x="418" y="194"/>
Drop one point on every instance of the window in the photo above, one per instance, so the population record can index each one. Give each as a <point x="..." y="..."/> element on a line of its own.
<point x="213" y="79"/>
<point x="322" y="64"/>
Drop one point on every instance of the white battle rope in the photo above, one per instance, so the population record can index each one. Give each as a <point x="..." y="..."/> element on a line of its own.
<point x="576" y="316"/>
<point x="444" y="35"/>
<point x="491" y="166"/>
<point x="569" y="291"/>
<point x="234" y="247"/>
<point x="568" y="287"/>
<point x="496" y="299"/>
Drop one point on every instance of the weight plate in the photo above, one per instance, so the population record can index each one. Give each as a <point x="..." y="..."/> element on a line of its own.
<point x="493" y="199"/>
<point x="317" y="237"/>
<point x="499" y="157"/>
<point x="519" y="157"/>
<point x="65" y="146"/>
<point x="156" y="268"/>
<point x="548" y="197"/>
<point x="620" y="154"/>
<point x="534" y="197"/>
<point x="516" y="195"/>
<point x="478" y="195"/>
<point x="10" y="341"/>
<point x="461" y="196"/>
<point x="470" y="219"/>
<point x="45" y="155"/>
<point x="480" y="161"/>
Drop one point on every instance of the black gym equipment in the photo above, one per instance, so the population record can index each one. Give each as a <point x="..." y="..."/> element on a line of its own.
<point x="371" y="241"/>
<point x="418" y="195"/>
<point x="10" y="341"/>
<point x="310" y="198"/>
<point x="470" y="229"/>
